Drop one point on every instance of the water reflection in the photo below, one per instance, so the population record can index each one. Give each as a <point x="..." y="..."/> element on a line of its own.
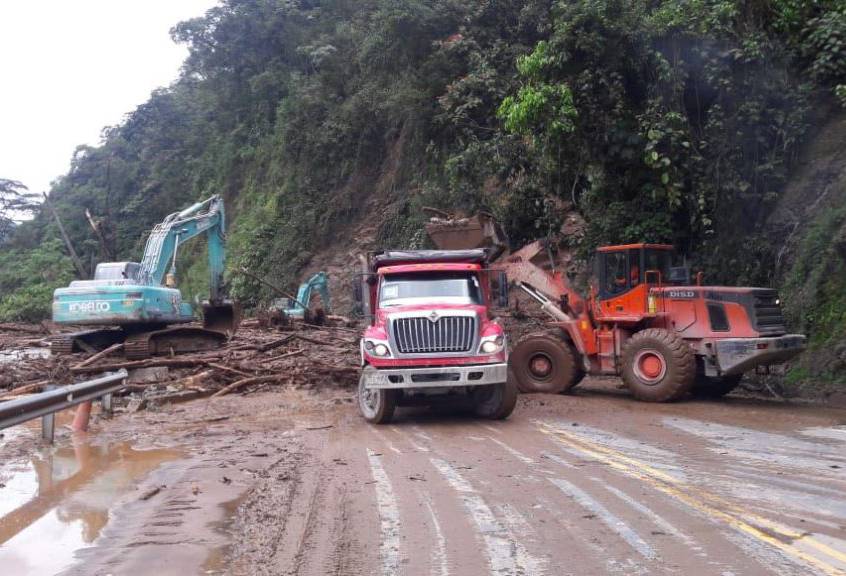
<point x="62" y="496"/>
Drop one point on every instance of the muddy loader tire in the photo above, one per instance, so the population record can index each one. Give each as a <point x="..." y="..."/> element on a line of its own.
<point x="495" y="401"/>
<point x="377" y="406"/>
<point x="545" y="363"/>
<point x="658" y="366"/>
<point x="711" y="387"/>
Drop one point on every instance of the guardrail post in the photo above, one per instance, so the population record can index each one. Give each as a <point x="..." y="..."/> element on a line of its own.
<point x="48" y="427"/>
<point x="106" y="404"/>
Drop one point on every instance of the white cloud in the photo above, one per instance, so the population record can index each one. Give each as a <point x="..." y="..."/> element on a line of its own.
<point x="69" y="68"/>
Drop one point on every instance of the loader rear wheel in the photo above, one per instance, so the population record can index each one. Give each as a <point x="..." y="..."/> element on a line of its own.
<point x="377" y="406"/>
<point x="711" y="387"/>
<point x="658" y="366"/>
<point x="495" y="401"/>
<point x="545" y="363"/>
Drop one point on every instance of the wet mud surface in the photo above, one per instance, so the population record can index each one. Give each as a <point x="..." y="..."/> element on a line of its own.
<point x="293" y="482"/>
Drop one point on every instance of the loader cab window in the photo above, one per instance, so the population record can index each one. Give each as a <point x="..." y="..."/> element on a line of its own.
<point x="656" y="260"/>
<point x="616" y="273"/>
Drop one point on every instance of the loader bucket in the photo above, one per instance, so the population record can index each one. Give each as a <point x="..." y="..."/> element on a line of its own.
<point x="223" y="317"/>
<point x="479" y="231"/>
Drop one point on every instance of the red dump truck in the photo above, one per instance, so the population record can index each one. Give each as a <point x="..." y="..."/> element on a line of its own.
<point x="432" y="336"/>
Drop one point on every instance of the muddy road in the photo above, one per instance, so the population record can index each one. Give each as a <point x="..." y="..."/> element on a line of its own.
<point x="293" y="482"/>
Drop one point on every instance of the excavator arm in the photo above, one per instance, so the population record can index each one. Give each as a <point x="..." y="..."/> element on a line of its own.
<point x="158" y="264"/>
<point x="319" y="283"/>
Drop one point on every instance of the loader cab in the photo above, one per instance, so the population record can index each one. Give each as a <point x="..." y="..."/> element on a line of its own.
<point x="621" y="269"/>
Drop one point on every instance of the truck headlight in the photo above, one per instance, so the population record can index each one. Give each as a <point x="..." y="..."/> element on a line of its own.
<point x="491" y="344"/>
<point x="377" y="348"/>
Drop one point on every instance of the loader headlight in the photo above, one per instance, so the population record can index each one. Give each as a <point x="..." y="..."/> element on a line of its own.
<point x="491" y="344"/>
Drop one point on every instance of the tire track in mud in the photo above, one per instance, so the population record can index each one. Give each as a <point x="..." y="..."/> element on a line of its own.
<point x="641" y="529"/>
<point x="499" y="530"/>
<point x="774" y="546"/>
<point x="389" y="544"/>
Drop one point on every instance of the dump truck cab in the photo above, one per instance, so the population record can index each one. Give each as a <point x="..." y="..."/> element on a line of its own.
<point x="432" y="336"/>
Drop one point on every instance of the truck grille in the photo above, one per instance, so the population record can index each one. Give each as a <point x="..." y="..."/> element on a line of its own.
<point x="446" y="334"/>
<point x="767" y="317"/>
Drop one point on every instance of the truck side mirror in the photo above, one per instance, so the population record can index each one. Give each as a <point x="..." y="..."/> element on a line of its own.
<point x="499" y="288"/>
<point x="358" y="293"/>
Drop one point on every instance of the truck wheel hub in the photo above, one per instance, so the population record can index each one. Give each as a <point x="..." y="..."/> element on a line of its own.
<point x="650" y="366"/>
<point x="540" y="365"/>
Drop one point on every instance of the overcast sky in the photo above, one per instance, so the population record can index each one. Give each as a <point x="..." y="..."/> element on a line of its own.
<point x="70" y="67"/>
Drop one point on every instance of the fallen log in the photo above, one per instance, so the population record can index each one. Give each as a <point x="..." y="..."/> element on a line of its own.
<point x="228" y="369"/>
<point x="25" y="389"/>
<point x="316" y="341"/>
<point x="152" y="363"/>
<point x="276" y="343"/>
<point x="26" y="328"/>
<point x="246" y="382"/>
<point x="111" y="349"/>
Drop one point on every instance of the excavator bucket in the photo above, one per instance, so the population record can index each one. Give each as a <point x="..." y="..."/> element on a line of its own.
<point x="223" y="317"/>
<point x="479" y="231"/>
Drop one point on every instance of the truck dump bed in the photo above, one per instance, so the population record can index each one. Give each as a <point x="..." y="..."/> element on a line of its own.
<point x="396" y="257"/>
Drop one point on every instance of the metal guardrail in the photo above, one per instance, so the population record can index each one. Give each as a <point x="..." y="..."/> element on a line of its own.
<point x="46" y="404"/>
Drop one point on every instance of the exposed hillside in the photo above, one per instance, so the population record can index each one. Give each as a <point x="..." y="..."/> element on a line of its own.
<point x="327" y="126"/>
<point x="811" y="264"/>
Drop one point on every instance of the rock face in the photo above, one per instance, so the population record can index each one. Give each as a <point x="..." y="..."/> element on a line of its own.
<point x="810" y="224"/>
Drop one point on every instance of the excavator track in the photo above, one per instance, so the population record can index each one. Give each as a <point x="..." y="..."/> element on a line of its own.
<point x="172" y="341"/>
<point x="62" y="344"/>
<point x="137" y="347"/>
<point x="85" y="341"/>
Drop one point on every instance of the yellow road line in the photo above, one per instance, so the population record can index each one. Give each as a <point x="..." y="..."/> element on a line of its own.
<point x="670" y="485"/>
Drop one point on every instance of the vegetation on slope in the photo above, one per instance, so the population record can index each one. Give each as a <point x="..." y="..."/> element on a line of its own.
<point x="660" y="120"/>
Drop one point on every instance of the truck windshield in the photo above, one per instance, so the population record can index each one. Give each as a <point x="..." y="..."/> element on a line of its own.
<point x="425" y="287"/>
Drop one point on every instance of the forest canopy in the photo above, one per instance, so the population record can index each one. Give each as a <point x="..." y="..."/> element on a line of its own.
<point x="658" y="120"/>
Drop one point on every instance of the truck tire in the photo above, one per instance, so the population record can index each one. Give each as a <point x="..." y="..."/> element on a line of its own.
<point x="545" y="363"/>
<point x="658" y="366"/>
<point x="377" y="406"/>
<point x="495" y="401"/>
<point x="715" y="387"/>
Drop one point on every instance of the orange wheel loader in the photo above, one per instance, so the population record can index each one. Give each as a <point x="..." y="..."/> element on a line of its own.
<point x="643" y="320"/>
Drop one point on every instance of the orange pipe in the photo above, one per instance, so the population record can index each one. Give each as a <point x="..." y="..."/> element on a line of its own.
<point x="83" y="415"/>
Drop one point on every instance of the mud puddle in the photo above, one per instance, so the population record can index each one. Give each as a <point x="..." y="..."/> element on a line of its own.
<point x="63" y="496"/>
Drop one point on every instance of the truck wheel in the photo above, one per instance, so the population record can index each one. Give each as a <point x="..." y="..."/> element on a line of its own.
<point x="712" y="387"/>
<point x="377" y="406"/>
<point x="658" y="366"/>
<point x="545" y="363"/>
<point x="495" y="401"/>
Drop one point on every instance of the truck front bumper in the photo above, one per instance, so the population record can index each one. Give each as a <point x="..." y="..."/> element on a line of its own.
<point x="439" y="377"/>
<point x="739" y="355"/>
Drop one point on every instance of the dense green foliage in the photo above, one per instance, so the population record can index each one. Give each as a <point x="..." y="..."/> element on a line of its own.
<point x="659" y="120"/>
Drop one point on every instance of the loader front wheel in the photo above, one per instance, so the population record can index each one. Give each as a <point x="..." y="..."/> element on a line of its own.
<point x="545" y="363"/>
<point x="658" y="366"/>
<point x="377" y="406"/>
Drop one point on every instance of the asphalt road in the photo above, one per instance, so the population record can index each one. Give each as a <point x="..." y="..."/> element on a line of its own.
<point x="296" y="483"/>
